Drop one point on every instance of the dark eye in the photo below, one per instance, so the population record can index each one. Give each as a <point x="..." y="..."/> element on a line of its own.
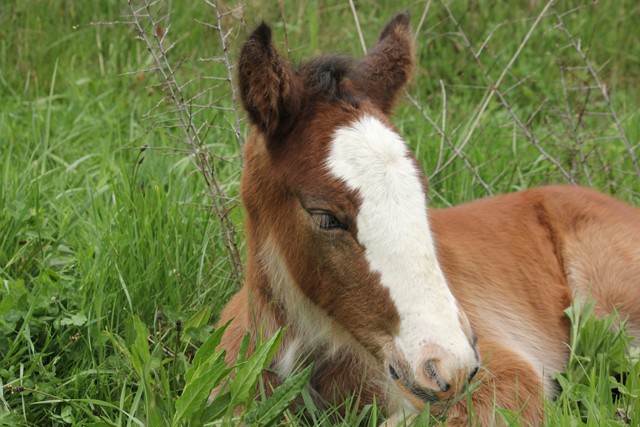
<point x="326" y="220"/>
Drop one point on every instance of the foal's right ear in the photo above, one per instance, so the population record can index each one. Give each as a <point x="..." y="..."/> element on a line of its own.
<point x="269" y="87"/>
<point x="388" y="67"/>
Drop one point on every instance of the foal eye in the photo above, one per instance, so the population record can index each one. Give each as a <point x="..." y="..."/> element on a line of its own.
<point x="326" y="221"/>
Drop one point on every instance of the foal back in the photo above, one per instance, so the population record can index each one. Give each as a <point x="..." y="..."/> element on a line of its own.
<point x="516" y="261"/>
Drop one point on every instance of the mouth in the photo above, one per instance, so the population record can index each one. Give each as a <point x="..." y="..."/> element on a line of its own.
<point x="435" y="379"/>
<point x="424" y="394"/>
<point x="417" y="395"/>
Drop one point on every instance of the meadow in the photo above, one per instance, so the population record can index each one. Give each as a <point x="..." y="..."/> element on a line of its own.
<point x="121" y="224"/>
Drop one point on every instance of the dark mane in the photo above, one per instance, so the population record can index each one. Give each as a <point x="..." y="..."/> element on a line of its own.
<point x="324" y="78"/>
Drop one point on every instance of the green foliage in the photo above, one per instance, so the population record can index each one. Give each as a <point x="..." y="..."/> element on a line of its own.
<point x="270" y="410"/>
<point x="601" y="385"/>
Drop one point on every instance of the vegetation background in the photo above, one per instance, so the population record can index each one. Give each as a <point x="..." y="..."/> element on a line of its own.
<point x="116" y="254"/>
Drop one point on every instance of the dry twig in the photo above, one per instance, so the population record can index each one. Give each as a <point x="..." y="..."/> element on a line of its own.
<point x="185" y="110"/>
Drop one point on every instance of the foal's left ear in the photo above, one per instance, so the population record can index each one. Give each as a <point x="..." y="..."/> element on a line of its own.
<point x="270" y="89"/>
<point x="388" y="67"/>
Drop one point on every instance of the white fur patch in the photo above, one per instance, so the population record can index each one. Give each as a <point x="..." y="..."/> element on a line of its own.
<point x="310" y="327"/>
<point x="393" y="227"/>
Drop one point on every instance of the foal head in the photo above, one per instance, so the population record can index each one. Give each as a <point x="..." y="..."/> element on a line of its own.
<point x="337" y="219"/>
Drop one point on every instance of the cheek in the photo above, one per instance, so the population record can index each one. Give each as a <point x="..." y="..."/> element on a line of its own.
<point x="337" y="278"/>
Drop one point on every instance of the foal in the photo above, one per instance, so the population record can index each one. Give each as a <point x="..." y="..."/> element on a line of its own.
<point x="388" y="298"/>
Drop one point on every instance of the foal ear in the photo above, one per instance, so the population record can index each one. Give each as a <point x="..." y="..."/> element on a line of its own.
<point x="388" y="67"/>
<point x="269" y="87"/>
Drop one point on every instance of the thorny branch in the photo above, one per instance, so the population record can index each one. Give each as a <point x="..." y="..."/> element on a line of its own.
<point x="603" y="90"/>
<point x="185" y="110"/>
<point x="156" y="42"/>
<point x="494" y="89"/>
<point x="228" y="62"/>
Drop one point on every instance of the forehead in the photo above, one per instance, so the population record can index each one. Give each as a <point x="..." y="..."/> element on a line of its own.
<point x="370" y="156"/>
<point x="301" y="157"/>
<point x="332" y="101"/>
<point x="344" y="149"/>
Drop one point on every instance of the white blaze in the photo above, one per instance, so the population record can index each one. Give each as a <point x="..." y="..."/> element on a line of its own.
<point x="394" y="229"/>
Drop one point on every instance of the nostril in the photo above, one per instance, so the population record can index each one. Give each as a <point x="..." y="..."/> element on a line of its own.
<point x="430" y="367"/>
<point x="473" y="373"/>
<point x="433" y="373"/>
<point x="393" y="373"/>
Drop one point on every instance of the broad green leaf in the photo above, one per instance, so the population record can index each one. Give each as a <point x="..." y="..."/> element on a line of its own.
<point x="217" y="408"/>
<point x="196" y="325"/>
<point x="140" y="347"/>
<point x="206" y="371"/>
<point x="244" y="348"/>
<point x="243" y="385"/>
<point x="207" y="351"/>
<point x="270" y="409"/>
<point x="194" y="397"/>
<point x="74" y="319"/>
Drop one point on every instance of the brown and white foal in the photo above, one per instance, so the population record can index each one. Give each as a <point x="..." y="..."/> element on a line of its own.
<point x="385" y="297"/>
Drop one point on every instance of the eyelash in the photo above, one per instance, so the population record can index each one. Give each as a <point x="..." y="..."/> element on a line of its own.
<point x="326" y="221"/>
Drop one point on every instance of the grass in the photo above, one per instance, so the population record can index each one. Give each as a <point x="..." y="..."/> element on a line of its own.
<point x="112" y="265"/>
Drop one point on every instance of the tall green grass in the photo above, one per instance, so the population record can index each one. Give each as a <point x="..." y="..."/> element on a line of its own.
<point x="112" y="268"/>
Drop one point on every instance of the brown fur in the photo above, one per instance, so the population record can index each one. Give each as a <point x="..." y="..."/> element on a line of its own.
<point x="513" y="262"/>
<point x="394" y="54"/>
